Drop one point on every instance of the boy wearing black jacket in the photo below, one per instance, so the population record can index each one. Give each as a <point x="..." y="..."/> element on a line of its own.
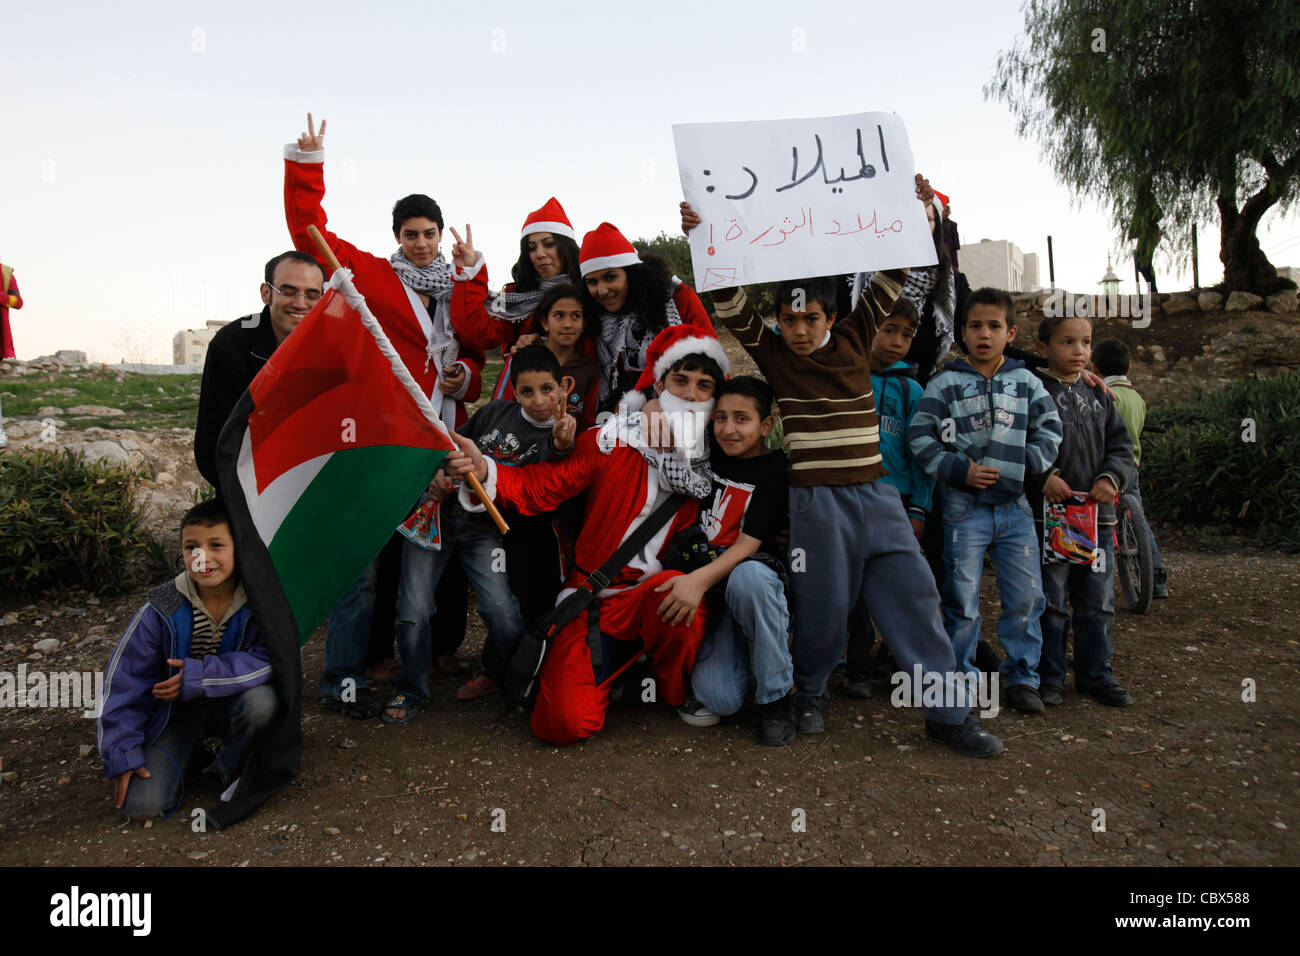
<point x="1095" y="459"/>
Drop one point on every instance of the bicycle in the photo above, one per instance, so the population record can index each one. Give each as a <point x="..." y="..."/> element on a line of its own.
<point x="1133" y="563"/>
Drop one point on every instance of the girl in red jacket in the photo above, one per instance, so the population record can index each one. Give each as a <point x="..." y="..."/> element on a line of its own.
<point x="628" y="300"/>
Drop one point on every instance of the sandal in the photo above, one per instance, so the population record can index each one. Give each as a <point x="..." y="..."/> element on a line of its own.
<point x="481" y="686"/>
<point x="402" y="703"/>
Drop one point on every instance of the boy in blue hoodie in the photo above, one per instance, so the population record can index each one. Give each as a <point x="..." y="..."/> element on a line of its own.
<point x="200" y="627"/>
<point x="897" y="392"/>
<point x="985" y="427"/>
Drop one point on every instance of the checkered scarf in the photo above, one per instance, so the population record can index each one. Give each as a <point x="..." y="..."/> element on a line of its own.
<point x="435" y="281"/>
<point x="512" y="306"/>
<point x="625" y="336"/>
<point x="917" y="289"/>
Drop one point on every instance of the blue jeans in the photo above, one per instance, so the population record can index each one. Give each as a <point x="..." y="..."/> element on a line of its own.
<point x="476" y="543"/>
<point x="1136" y="492"/>
<point x="1091" y="596"/>
<point x="347" y="637"/>
<point x="750" y="644"/>
<point x="970" y="529"/>
<point x="236" y="719"/>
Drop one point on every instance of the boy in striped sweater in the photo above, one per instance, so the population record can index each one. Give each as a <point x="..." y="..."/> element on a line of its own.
<point x="985" y="427"/>
<point x="849" y="532"/>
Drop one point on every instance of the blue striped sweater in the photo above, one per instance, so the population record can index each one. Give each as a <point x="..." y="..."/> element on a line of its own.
<point x="1008" y="422"/>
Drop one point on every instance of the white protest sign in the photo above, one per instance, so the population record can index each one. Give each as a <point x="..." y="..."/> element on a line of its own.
<point x="785" y="199"/>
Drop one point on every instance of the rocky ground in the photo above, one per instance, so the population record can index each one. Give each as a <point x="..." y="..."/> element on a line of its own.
<point x="1193" y="774"/>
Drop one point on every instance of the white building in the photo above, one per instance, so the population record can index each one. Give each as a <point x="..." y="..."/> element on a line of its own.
<point x="999" y="263"/>
<point x="190" y="347"/>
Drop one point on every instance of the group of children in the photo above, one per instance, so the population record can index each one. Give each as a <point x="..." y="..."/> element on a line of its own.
<point x="753" y="562"/>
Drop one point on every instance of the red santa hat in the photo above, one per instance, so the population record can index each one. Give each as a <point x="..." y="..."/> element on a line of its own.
<point x="606" y="248"/>
<point x="668" y="348"/>
<point x="550" y="218"/>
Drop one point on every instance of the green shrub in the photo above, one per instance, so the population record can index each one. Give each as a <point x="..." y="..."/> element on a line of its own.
<point x="1229" y="457"/>
<point x="68" y="522"/>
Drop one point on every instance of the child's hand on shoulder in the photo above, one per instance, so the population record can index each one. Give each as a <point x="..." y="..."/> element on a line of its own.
<point x="566" y="426"/>
<point x="170" y="689"/>
<point x="1104" y="491"/>
<point x="981" y="476"/>
<point x="525" y="340"/>
<point x="1056" y="490"/>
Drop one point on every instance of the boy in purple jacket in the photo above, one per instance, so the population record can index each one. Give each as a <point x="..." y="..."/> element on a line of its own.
<point x="190" y="666"/>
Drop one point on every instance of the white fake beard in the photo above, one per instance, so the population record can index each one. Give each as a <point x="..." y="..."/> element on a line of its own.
<point x="689" y="422"/>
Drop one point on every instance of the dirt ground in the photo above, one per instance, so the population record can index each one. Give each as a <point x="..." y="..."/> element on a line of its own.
<point x="1190" y="775"/>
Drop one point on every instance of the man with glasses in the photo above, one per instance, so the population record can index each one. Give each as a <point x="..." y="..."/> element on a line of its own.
<point x="293" y="284"/>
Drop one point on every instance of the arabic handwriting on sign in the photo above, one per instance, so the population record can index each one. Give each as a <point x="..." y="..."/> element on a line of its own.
<point x="753" y="184"/>
<point x="839" y="230"/>
<point x="865" y="169"/>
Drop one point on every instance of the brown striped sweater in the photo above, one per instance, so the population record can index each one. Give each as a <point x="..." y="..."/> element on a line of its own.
<point x="827" y="410"/>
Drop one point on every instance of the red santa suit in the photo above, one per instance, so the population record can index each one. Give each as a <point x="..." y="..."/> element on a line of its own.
<point x="622" y="491"/>
<point x="398" y="309"/>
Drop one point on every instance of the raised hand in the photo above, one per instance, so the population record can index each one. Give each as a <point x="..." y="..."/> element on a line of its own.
<point x="311" y="140"/>
<point x="690" y="218"/>
<point x="463" y="254"/>
<point x="924" y="191"/>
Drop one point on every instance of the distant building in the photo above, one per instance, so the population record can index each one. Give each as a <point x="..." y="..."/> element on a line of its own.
<point x="191" y="346"/>
<point x="999" y="263"/>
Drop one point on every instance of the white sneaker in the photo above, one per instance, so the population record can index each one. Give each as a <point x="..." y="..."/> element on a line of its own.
<point x="696" y="714"/>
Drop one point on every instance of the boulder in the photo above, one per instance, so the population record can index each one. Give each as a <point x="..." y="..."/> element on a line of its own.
<point x="108" y="451"/>
<point x="1180" y="302"/>
<point x="1285" y="301"/>
<point x="1209" y="301"/>
<point x="45" y="410"/>
<point x="96" y="410"/>
<point x="70" y="357"/>
<point x="46" y="646"/>
<point x="1242" y="301"/>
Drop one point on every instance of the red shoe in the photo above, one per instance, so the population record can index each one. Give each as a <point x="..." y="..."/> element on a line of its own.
<point x="481" y="686"/>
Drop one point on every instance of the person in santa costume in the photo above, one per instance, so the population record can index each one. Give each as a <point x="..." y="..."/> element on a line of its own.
<point x="629" y="298"/>
<point x="625" y="480"/>
<point x="9" y="299"/>
<point x="410" y="294"/>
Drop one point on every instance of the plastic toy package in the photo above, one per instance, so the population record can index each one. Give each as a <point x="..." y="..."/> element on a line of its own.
<point x="1070" y="531"/>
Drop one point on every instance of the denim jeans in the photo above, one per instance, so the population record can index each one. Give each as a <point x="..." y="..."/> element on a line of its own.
<point x="970" y="529"/>
<point x="475" y="542"/>
<point x="1091" y="596"/>
<point x="347" y="637"/>
<point x="749" y="645"/>
<point x="1136" y="492"/>
<point x="236" y="719"/>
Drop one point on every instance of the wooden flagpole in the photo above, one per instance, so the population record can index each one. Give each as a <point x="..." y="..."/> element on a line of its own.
<point x="492" y="511"/>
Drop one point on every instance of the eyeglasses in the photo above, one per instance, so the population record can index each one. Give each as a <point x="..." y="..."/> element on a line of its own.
<point x="311" y="295"/>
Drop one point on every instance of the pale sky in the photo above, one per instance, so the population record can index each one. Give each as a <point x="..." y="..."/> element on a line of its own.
<point x="142" y="175"/>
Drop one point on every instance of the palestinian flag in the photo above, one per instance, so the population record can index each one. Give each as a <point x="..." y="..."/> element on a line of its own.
<point x="320" y="461"/>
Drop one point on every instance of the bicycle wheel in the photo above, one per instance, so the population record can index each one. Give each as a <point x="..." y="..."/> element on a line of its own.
<point x="1133" y="555"/>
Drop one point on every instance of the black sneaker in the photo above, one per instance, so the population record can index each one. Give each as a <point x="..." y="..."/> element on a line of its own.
<point x="366" y="705"/>
<point x="968" y="738"/>
<point x="859" y="688"/>
<point x="1051" y="695"/>
<point x="776" y="726"/>
<point x="1112" y="694"/>
<point x="1025" y="699"/>
<point x="808" y="713"/>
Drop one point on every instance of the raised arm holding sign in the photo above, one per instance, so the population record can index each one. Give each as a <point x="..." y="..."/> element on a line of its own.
<point x="781" y="199"/>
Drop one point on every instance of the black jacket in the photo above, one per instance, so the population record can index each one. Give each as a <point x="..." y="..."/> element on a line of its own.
<point x="235" y="355"/>
<point x="1095" y="442"/>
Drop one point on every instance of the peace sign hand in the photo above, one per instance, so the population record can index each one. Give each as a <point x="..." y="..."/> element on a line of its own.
<point x="463" y="254"/>
<point x="311" y="141"/>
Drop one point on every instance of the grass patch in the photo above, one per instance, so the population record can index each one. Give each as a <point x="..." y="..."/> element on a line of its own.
<point x="150" y="401"/>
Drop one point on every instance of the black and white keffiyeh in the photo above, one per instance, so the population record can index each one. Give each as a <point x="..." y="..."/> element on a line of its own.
<point x="514" y="306"/>
<point x="689" y="476"/>
<point x="917" y="289"/>
<point x="624" y="337"/>
<point x="434" y="280"/>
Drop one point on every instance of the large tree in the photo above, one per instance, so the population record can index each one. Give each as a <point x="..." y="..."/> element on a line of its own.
<point x="1167" y="111"/>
